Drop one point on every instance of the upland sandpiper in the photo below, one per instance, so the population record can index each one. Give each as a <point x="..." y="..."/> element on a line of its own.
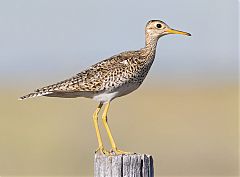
<point x="111" y="78"/>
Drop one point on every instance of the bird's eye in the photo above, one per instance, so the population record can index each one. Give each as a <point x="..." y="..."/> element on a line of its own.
<point x="159" y="25"/>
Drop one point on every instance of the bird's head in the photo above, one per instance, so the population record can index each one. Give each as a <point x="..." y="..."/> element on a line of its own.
<point x="157" y="28"/>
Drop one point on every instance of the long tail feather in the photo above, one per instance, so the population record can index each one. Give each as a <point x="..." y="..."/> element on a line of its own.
<point x="34" y="94"/>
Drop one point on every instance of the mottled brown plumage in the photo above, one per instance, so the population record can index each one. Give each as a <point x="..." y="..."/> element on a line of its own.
<point x="127" y="69"/>
<point x="111" y="78"/>
<point x="106" y="75"/>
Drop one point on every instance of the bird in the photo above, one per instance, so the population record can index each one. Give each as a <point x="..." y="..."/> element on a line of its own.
<point x="111" y="78"/>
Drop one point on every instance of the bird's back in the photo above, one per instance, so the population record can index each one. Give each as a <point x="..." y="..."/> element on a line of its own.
<point x="125" y="69"/>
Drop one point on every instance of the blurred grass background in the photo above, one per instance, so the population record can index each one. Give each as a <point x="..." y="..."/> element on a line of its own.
<point x="191" y="131"/>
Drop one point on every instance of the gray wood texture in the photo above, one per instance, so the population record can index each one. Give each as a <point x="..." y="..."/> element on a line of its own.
<point x="128" y="165"/>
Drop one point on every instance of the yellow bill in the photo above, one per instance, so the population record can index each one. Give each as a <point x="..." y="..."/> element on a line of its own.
<point x="173" y="31"/>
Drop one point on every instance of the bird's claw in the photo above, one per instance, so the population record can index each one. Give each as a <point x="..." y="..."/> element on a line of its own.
<point x="116" y="151"/>
<point x="102" y="150"/>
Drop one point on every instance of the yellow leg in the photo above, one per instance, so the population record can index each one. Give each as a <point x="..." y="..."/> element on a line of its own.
<point x="99" y="138"/>
<point x="104" y="119"/>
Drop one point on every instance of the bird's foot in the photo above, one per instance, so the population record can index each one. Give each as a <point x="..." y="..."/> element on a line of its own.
<point x="116" y="151"/>
<point x="102" y="150"/>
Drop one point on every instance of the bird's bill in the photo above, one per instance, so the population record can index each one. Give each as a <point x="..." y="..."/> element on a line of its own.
<point x="173" y="31"/>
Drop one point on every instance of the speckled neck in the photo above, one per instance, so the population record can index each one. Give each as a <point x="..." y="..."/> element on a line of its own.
<point x="150" y="45"/>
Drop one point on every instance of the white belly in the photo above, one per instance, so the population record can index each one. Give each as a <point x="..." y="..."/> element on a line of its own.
<point x="118" y="92"/>
<point x="105" y="97"/>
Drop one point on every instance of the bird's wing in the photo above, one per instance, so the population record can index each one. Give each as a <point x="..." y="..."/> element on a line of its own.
<point x="94" y="79"/>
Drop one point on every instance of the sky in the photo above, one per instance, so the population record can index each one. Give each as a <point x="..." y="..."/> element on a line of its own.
<point x="47" y="41"/>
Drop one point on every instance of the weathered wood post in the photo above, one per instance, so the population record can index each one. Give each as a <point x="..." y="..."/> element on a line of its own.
<point x="128" y="165"/>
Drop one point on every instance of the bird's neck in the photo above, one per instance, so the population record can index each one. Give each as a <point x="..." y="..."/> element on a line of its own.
<point x="150" y="45"/>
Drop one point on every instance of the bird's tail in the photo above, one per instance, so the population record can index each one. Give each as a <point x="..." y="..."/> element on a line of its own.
<point x="32" y="95"/>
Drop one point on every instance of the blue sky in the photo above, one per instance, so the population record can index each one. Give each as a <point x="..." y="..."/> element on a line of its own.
<point x="47" y="41"/>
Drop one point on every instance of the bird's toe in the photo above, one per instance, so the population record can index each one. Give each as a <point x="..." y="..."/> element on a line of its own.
<point x="115" y="151"/>
<point x="102" y="150"/>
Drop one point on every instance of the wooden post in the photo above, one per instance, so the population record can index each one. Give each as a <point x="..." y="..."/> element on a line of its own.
<point x="128" y="165"/>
